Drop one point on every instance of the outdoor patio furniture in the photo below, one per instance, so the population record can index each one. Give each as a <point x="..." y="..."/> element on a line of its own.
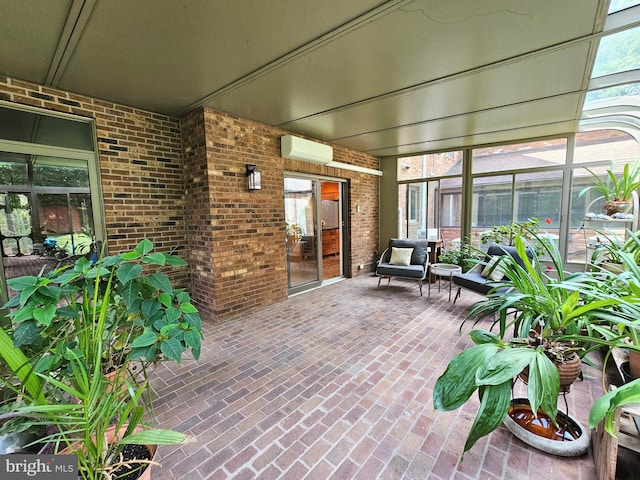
<point x="474" y="279"/>
<point x="404" y="258"/>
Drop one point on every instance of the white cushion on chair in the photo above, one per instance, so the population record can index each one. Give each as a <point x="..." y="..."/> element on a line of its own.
<point x="401" y="256"/>
<point x="493" y="271"/>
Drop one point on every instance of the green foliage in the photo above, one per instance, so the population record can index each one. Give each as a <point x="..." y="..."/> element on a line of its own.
<point x="147" y="319"/>
<point x="544" y="310"/>
<point x="68" y="323"/>
<point x="465" y="255"/>
<point x="506" y="234"/>
<point x="614" y="187"/>
<point x="605" y="407"/>
<point x="490" y="366"/>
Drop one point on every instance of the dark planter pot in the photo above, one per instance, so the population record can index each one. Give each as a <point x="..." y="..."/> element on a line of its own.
<point x="571" y="439"/>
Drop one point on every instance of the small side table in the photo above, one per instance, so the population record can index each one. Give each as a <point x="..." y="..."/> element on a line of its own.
<point x="443" y="270"/>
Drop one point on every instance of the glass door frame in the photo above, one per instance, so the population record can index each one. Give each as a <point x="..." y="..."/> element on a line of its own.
<point x="316" y="186"/>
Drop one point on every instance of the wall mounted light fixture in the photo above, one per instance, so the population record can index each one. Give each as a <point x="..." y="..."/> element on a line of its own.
<point x="254" y="177"/>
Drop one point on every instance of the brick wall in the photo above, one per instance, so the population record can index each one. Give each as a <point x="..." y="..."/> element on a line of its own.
<point x="182" y="184"/>
<point x="141" y="167"/>
<point x="237" y="237"/>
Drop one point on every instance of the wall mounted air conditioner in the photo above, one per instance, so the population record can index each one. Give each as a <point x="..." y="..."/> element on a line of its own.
<point x="301" y="149"/>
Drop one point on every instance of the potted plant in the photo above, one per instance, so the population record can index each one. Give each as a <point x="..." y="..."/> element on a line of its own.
<point x="506" y="234"/>
<point x="464" y="255"/>
<point x="546" y="315"/>
<point x="617" y="189"/>
<point x="68" y="320"/>
<point x="147" y="319"/>
<point x="605" y="407"/>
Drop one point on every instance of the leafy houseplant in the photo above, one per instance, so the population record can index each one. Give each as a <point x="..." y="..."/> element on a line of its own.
<point x="615" y="188"/>
<point x="465" y="256"/>
<point x="147" y="319"/>
<point x="67" y="321"/>
<point x="547" y="316"/>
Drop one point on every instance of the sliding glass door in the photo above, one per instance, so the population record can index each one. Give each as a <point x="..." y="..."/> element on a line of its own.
<point x="314" y="233"/>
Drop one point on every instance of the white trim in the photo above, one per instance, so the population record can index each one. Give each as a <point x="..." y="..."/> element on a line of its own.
<point x="354" y="168"/>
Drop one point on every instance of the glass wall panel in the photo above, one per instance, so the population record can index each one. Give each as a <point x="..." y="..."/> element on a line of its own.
<point x="618" y="52"/>
<point x="609" y="145"/>
<point x="302" y="240"/>
<point x="15" y="224"/>
<point x="544" y="153"/>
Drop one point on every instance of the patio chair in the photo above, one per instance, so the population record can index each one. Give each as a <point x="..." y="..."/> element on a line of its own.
<point x="404" y="258"/>
<point x="484" y="277"/>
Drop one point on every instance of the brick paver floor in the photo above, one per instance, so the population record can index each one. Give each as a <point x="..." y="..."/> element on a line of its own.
<point x="337" y="383"/>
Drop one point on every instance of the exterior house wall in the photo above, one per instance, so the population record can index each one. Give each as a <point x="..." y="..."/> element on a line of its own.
<point x="141" y="167"/>
<point x="182" y="184"/>
<point x="237" y="236"/>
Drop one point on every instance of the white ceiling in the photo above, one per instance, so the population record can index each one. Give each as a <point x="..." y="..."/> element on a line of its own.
<point x="388" y="78"/>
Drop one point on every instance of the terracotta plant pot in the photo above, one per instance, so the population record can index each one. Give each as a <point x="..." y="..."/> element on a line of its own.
<point x="634" y="364"/>
<point x="568" y="371"/>
<point x="111" y="436"/>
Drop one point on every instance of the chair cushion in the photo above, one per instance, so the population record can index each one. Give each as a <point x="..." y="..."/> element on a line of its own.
<point x="400" y="256"/>
<point x="420" y="249"/>
<point x="408" y="271"/>
<point x="476" y="282"/>
<point x="495" y="249"/>
<point x="493" y="270"/>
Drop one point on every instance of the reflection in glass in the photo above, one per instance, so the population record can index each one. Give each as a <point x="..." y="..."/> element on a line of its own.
<point x="301" y="238"/>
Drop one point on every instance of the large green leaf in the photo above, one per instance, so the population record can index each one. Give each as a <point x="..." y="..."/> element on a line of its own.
<point x="494" y="406"/>
<point x="504" y="366"/>
<point x="172" y="348"/>
<point x="155" y="436"/>
<point x="20" y="283"/>
<point x="189" y="308"/>
<point x="484" y="336"/>
<point x="147" y="338"/>
<point x="150" y="307"/>
<point x="173" y="314"/>
<point x="27" y="333"/>
<point x="454" y="387"/>
<point x="543" y="386"/>
<point x="174" y="261"/>
<point x="160" y="281"/>
<point x="144" y="247"/>
<point x="24" y="313"/>
<point x="19" y="365"/>
<point x="128" y="272"/>
<point x="130" y="294"/>
<point x="605" y="407"/>
<point x="155" y="258"/>
<point x="44" y="315"/>
<point x="194" y="320"/>
<point x="192" y="338"/>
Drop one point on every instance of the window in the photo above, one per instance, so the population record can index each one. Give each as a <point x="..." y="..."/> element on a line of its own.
<point x="49" y="206"/>
<point x="412" y="203"/>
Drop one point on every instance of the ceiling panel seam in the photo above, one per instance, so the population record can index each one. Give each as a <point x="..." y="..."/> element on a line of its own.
<point x="441" y="139"/>
<point x="457" y="115"/>
<point x="353" y="24"/>
<point x="77" y="19"/>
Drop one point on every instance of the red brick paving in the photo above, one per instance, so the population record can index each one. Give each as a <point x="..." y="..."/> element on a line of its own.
<point x="336" y="383"/>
